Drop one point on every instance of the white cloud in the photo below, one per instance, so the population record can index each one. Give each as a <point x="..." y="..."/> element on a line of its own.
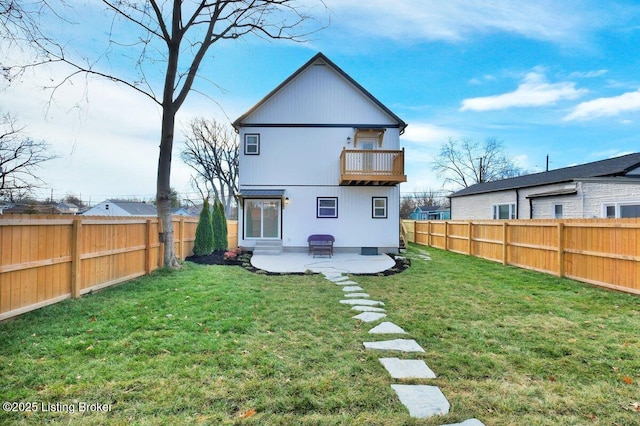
<point x="534" y="91"/>
<point x="456" y="20"/>
<point x="588" y="74"/>
<point x="427" y="134"/>
<point x="606" y="107"/>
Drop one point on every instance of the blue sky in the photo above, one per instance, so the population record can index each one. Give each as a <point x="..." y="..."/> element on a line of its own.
<point x="546" y="77"/>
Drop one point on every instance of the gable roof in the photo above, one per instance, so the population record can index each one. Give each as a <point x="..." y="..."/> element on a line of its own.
<point x="135" y="208"/>
<point x="320" y="57"/>
<point x="612" y="167"/>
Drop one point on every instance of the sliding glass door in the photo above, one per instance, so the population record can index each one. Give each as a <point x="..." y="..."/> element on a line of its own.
<point x="262" y="218"/>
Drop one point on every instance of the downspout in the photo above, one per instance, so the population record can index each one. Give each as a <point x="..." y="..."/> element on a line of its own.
<point x="530" y="208"/>
<point x="517" y="204"/>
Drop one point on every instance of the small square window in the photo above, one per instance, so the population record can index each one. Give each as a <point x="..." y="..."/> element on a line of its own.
<point x="327" y="207"/>
<point x="252" y="144"/>
<point x="379" y="207"/>
<point x="557" y="211"/>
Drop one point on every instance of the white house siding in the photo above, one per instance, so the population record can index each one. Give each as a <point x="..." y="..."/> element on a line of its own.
<point x="588" y="202"/>
<point x="479" y="206"/>
<point x="597" y="194"/>
<point x="353" y="228"/>
<point x="319" y="95"/>
<point x="300" y="156"/>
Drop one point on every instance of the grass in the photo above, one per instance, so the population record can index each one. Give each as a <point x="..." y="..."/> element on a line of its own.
<point x="220" y="345"/>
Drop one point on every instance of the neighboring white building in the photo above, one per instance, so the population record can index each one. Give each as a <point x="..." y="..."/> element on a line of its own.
<point x="320" y="155"/>
<point x="122" y="208"/>
<point x="602" y="189"/>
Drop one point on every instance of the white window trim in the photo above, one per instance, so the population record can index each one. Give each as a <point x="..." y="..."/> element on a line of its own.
<point x="495" y="212"/>
<point x="335" y="207"/>
<point x="385" y="215"/>
<point x="256" y="143"/>
<point x="617" y="207"/>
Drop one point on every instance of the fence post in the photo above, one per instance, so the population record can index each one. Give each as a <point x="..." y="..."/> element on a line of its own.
<point x="428" y="233"/>
<point x="446" y="236"/>
<point x="182" y="255"/>
<point x="560" y="249"/>
<point x="147" y="254"/>
<point x="505" y="248"/>
<point x="76" y="266"/>
<point x="470" y="238"/>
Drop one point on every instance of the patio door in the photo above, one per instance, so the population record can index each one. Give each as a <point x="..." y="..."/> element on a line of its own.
<point x="367" y="157"/>
<point x="262" y="218"/>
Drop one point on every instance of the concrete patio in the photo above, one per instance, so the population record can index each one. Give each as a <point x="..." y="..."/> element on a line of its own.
<point x="348" y="263"/>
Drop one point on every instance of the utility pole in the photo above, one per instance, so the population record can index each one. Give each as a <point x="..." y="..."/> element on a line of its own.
<point x="480" y="172"/>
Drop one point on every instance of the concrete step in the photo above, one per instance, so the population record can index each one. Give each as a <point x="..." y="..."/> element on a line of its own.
<point x="268" y="247"/>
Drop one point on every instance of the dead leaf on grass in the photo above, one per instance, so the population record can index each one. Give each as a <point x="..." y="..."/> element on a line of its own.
<point x="628" y="380"/>
<point x="635" y="406"/>
<point x="248" y="413"/>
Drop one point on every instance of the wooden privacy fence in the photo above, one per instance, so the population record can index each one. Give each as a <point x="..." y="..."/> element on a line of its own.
<point x="604" y="252"/>
<point x="47" y="259"/>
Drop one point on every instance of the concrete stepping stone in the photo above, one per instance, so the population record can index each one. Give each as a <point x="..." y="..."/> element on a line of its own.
<point x="348" y="282"/>
<point x="356" y="295"/>
<point x="421" y="400"/>
<point x="363" y="302"/>
<point x="367" y="309"/>
<point x="470" y="422"/>
<point x="352" y="288"/>
<point x="387" y="328"/>
<point x="369" y="316"/>
<point x="337" y="278"/>
<point x="407" y="368"/>
<point x="404" y="345"/>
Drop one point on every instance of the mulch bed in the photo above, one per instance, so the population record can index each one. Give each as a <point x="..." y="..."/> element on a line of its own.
<point x="244" y="260"/>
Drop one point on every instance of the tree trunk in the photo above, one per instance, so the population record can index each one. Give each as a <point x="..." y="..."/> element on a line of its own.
<point x="163" y="190"/>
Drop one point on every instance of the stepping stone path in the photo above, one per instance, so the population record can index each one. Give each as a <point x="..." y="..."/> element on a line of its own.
<point x="420" y="400"/>
<point x="387" y="328"/>
<point x="356" y="295"/>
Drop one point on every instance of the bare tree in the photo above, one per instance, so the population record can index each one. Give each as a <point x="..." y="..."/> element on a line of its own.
<point x="466" y="162"/>
<point x="20" y="157"/>
<point x="175" y="35"/>
<point x="211" y="150"/>
<point x="407" y="206"/>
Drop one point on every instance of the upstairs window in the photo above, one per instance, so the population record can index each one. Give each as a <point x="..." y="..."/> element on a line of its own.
<point x="252" y="144"/>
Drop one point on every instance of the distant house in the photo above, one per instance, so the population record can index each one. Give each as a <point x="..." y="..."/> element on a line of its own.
<point x="430" y="213"/>
<point x="320" y="155"/>
<point x="67" y="208"/>
<point x="122" y="208"/>
<point x="602" y="189"/>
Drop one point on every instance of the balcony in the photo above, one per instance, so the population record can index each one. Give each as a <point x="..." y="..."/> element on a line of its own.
<point x="366" y="167"/>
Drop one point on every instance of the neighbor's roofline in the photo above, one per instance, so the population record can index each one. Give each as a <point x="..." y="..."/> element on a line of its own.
<point x="520" y="182"/>
<point x="238" y="123"/>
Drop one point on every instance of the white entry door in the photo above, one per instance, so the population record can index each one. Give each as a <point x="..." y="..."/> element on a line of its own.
<point x="262" y="218"/>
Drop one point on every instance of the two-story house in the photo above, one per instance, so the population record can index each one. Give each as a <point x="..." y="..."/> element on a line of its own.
<point x="320" y="155"/>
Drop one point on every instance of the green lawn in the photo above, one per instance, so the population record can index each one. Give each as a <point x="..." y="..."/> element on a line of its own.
<point x="221" y="345"/>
